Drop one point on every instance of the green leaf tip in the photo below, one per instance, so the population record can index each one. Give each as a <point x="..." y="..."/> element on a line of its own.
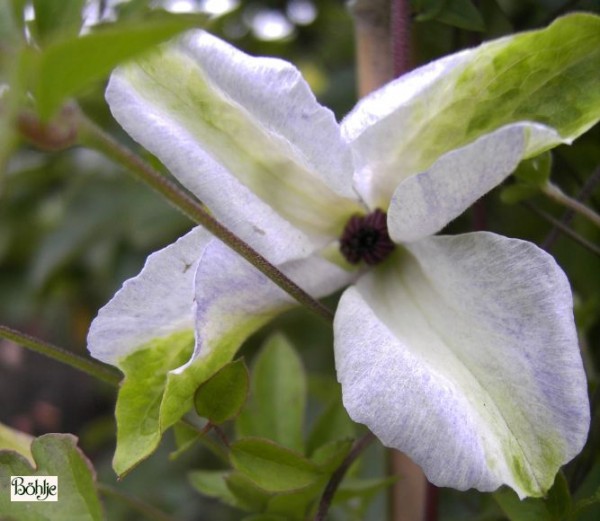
<point x="54" y="455"/>
<point x="278" y="396"/>
<point x="223" y="395"/>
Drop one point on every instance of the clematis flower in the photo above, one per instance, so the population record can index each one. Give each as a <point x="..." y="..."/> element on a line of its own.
<point x="460" y="351"/>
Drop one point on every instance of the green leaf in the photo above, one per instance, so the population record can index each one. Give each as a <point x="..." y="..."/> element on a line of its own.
<point x="529" y="509"/>
<point x="535" y="171"/>
<point x="459" y="13"/>
<point x="352" y="488"/>
<point x="11" y="22"/>
<point x="295" y="504"/>
<point x="517" y="192"/>
<point x="557" y="505"/>
<point x="333" y="424"/>
<point x="57" y="19"/>
<point x="153" y="397"/>
<point x="265" y="517"/>
<point x="139" y="427"/>
<point x="223" y="395"/>
<point x="54" y="455"/>
<point x="185" y="438"/>
<point x="278" y="396"/>
<point x="211" y="483"/>
<point x="328" y="457"/>
<point x="559" y="501"/>
<point x="17" y="441"/>
<point x="271" y="466"/>
<point x="68" y="66"/>
<point x="249" y="496"/>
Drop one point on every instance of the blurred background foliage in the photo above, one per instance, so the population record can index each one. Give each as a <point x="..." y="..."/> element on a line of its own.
<point x="74" y="225"/>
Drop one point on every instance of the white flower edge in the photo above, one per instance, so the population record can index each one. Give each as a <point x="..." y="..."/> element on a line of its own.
<point x="401" y="129"/>
<point x="156" y="303"/>
<point x="246" y="136"/>
<point x="462" y="353"/>
<point x="200" y="285"/>
<point x="423" y="204"/>
<point x="230" y="293"/>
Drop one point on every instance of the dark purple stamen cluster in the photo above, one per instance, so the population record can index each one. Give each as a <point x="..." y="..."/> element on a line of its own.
<point x="366" y="238"/>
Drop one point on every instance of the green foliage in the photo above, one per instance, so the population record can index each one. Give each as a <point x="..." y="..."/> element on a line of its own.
<point x="72" y="228"/>
<point x="139" y="426"/>
<point x="530" y="176"/>
<point x="332" y="424"/>
<point x="557" y="505"/>
<point x="223" y="395"/>
<point x="271" y="477"/>
<point x="278" y="396"/>
<point x="68" y="66"/>
<point x="535" y="171"/>
<point x="54" y="455"/>
<point x="13" y="440"/>
<point x="212" y="484"/>
<point x="272" y="466"/>
<point x="458" y="13"/>
<point x="57" y="19"/>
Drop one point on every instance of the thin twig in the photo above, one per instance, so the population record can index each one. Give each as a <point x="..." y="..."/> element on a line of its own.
<point x="565" y="229"/>
<point x="93" y="136"/>
<point x="147" y="510"/>
<point x="557" y="195"/>
<point x="586" y="191"/>
<point x="87" y="365"/>
<point x="400" y="20"/>
<point x="336" y="478"/>
<point x="202" y="438"/>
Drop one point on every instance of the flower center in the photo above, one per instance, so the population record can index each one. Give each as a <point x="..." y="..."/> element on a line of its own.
<point x="366" y="238"/>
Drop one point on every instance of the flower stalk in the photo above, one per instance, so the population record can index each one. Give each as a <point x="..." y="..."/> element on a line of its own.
<point x="557" y="195"/>
<point x="336" y="478"/>
<point x="92" y="367"/>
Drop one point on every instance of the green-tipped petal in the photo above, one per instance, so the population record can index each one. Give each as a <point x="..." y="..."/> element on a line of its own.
<point x="423" y="204"/>
<point x="158" y="303"/>
<point x="196" y="284"/>
<point x="462" y="352"/>
<point x="549" y="76"/>
<point x="233" y="299"/>
<point x="246" y="136"/>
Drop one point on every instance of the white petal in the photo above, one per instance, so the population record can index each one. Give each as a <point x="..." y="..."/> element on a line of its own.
<point x="462" y="352"/>
<point x="423" y="204"/>
<point x="156" y="303"/>
<point x="233" y="298"/>
<point x="549" y="76"/>
<point x="246" y="136"/>
<point x="385" y="127"/>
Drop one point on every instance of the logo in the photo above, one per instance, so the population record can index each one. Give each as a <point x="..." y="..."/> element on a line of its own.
<point x="34" y="488"/>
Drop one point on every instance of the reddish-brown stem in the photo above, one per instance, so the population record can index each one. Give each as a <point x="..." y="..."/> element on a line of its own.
<point x="336" y="478"/>
<point x="400" y="34"/>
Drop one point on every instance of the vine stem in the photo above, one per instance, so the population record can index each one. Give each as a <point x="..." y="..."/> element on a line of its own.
<point x="336" y="478"/>
<point x="559" y="225"/>
<point x="87" y="365"/>
<point x="557" y="195"/>
<point x="94" y="137"/>
<point x="586" y="191"/>
<point x="401" y="53"/>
